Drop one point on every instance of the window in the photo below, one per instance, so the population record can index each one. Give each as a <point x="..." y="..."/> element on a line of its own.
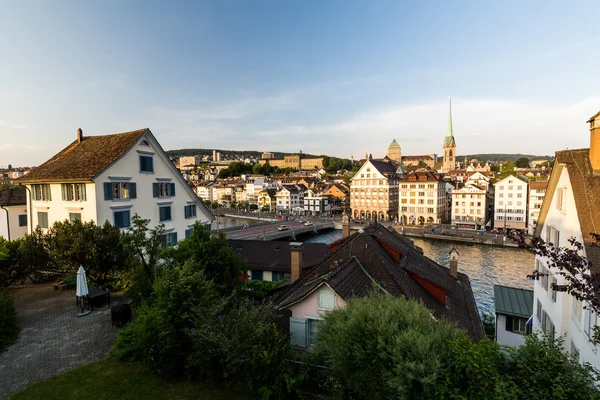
<point x="516" y="325"/>
<point x="120" y="190"/>
<point x="553" y="293"/>
<point x="163" y="189"/>
<point x="277" y="276"/>
<point x="560" y="199"/>
<point x="73" y="191"/>
<point x="41" y="192"/>
<point x="539" y="311"/>
<point x="122" y="219"/>
<point x="42" y="219"/>
<point x="313" y="327"/>
<point x="23" y="220"/>
<point x="169" y="239"/>
<point x="188" y="233"/>
<point x="190" y="211"/>
<point x="257" y="275"/>
<point x="74" y="217"/>
<point x="327" y="299"/>
<point x="574" y="351"/>
<point x="146" y="164"/>
<point x="164" y="213"/>
<point x="589" y="321"/>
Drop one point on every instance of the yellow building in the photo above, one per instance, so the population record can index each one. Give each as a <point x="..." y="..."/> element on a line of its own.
<point x="295" y="161"/>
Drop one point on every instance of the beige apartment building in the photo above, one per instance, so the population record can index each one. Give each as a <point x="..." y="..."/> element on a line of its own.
<point x="296" y="161"/>
<point x="469" y="206"/>
<point x="374" y="191"/>
<point x="423" y="199"/>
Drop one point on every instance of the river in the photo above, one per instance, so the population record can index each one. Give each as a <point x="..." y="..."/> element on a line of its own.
<point x="485" y="265"/>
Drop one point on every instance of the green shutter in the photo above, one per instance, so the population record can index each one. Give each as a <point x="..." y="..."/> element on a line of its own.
<point x="132" y="190"/>
<point x="155" y="190"/>
<point x="298" y="329"/>
<point x="108" y="194"/>
<point x="174" y="237"/>
<point x="509" y="322"/>
<point x="171" y="189"/>
<point x="186" y="211"/>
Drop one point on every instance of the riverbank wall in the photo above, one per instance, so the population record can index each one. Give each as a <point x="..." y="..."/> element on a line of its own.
<point x="473" y="239"/>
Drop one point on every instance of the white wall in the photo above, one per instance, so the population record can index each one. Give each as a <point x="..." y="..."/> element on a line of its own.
<point x="16" y="231"/>
<point x="146" y="205"/>
<point x="505" y="337"/>
<point x="59" y="209"/>
<point x="507" y="199"/>
<point x="308" y="307"/>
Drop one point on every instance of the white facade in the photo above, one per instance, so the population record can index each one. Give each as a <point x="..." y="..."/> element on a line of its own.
<point x="290" y="199"/>
<point x="469" y="206"/>
<point x="536" y="198"/>
<point x="15" y="219"/>
<point x="315" y="203"/>
<point x="509" y="337"/>
<point x="556" y="310"/>
<point x="122" y="190"/>
<point x="510" y="204"/>
<point x="423" y="200"/>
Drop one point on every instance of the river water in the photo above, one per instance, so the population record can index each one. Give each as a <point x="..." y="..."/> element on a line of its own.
<point x="485" y="265"/>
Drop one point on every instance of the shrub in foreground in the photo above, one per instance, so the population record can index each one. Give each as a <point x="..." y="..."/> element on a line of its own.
<point x="9" y="326"/>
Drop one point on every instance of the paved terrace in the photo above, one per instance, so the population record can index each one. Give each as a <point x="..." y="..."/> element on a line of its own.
<point x="53" y="339"/>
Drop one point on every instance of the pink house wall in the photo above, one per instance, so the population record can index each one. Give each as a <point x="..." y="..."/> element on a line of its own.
<point x="309" y="306"/>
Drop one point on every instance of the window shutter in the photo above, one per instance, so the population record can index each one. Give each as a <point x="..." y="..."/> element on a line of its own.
<point x="132" y="190"/>
<point x="553" y="291"/>
<point x="298" y="332"/>
<point x="127" y="218"/>
<point x="64" y="191"/>
<point x="186" y="210"/>
<point x="108" y="194"/>
<point x="174" y="238"/>
<point x="509" y="322"/>
<point x="586" y="320"/>
<point x="171" y="189"/>
<point x="155" y="190"/>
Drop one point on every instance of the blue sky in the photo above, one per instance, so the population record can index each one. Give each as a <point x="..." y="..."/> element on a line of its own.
<point x="333" y="77"/>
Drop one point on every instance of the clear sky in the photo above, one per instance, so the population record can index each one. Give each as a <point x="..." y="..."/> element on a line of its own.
<point x="324" y="76"/>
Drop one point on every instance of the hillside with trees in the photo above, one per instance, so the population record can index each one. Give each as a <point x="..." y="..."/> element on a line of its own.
<point x="502" y="157"/>
<point x="225" y="154"/>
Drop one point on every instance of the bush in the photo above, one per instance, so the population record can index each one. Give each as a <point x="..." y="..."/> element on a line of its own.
<point x="9" y="326"/>
<point x="380" y="347"/>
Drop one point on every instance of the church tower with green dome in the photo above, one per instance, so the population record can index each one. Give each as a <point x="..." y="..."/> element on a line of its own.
<point x="394" y="152"/>
<point x="449" y="162"/>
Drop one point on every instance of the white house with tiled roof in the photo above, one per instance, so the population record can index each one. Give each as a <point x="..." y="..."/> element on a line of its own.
<point x="111" y="178"/>
<point x="571" y="208"/>
<point x="510" y="203"/>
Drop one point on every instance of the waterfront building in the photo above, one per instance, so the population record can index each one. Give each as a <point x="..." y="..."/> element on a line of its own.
<point x="510" y="204"/>
<point x="394" y="152"/>
<point x="316" y="202"/>
<point x="469" y="206"/>
<point x="571" y="208"/>
<point x="513" y="307"/>
<point x="290" y="200"/>
<point x="374" y="257"/>
<point x="537" y="192"/>
<point x="479" y="179"/>
<point x="449" y="163"/>
<point x="267" y="198"/>
<point x="423" y="199"/>
<point x="374" y="191"/>
<point x="111" y="178"/>
<point x="298" y="162"/>
<point x="339" y="193"/>
<point x="13" y="212"/>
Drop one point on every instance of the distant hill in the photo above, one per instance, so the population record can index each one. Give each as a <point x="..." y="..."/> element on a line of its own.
<point x="225" y="154"/>
<point x="503" y="157"/>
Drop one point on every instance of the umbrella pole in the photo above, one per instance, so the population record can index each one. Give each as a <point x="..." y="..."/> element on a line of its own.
<point x="82" y="313"/>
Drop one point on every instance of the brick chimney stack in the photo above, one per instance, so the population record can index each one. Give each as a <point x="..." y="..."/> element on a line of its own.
<point x="79" y="135"/>
<point x="454" y="263"/>
<point x="595" y="143"/>
<point x="296" y="250"/>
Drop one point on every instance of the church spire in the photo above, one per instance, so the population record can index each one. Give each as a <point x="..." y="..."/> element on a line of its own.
<point x="450" y="133"/>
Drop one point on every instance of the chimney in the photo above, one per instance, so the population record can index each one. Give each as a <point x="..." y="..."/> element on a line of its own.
<point x="79" y="135"/>
<point x="595" y="143"/>
<point x="345" y="226"/>
<point x="296" y="250"/>
<point x="453" y="263"/>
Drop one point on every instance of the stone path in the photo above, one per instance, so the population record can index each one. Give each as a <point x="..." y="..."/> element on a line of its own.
<point x="53" y="339"/>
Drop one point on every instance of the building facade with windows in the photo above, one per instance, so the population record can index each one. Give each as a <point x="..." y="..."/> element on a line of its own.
<point x="469" y="206"/>
<point x="513" y="307"/>
<point x="111" y="178"/>
<point x="537" y="192"/>
<point x="374" y="191"/>
<point x="290" y="200"/>
<point x="13" y="212"/>
<point x="571" y="208"/>
<point x="423" y="199"/>
<point x="510" y="204"/>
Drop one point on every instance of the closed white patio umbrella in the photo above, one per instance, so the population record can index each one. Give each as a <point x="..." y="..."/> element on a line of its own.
<point x="81" y="290"/>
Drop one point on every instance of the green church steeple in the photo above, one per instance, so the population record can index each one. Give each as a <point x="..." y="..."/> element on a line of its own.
<point x="449" y="140"/>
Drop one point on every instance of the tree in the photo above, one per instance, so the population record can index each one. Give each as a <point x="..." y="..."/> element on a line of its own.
<point x="266" y="208"/>
<point x="210" y="254"/>
<point x="507" y="169"/>
<point x="422" y="163"/>
<point x="10" y="167"/>
<point x="495" y="168"/>
<point x="522" y="162"/>
<point x="253" y="207"/>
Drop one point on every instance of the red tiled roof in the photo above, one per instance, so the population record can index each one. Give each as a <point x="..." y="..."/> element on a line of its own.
<point x="83" y="161"/>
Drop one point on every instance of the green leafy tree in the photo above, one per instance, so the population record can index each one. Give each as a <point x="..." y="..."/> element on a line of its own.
<point x="494" y="168"/>
<point x="381" y="347"/>
<point x="210" y="254"/>
<point x="266" y="208"/>
<point x="522" y="162"/>
<point x="9" y="325"/>
<point x="507" y="169"/>
<point x="34" y="258"/>
<point x="253" y="207"/>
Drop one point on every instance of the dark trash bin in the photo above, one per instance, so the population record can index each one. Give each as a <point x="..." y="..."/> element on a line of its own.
<point x="120" y="314"/>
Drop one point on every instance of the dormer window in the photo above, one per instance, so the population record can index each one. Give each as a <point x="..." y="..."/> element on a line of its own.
<point x="146" y="163"/>
<point x="144" y="143"/>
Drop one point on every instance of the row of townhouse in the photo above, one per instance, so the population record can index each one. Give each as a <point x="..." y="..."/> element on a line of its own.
<point x="298" y="200"/>
<point x="106" y="178"/>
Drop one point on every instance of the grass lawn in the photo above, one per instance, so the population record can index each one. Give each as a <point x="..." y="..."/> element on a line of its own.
<point x="111" y="379"/>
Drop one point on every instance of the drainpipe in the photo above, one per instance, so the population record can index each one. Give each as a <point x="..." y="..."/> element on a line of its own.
<point x="7" y="222"/>
<point x="30" y="212"/>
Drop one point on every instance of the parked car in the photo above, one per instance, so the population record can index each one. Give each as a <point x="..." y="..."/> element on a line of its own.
<point x="308" y="223"/>
<point x="283" y="228"/>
